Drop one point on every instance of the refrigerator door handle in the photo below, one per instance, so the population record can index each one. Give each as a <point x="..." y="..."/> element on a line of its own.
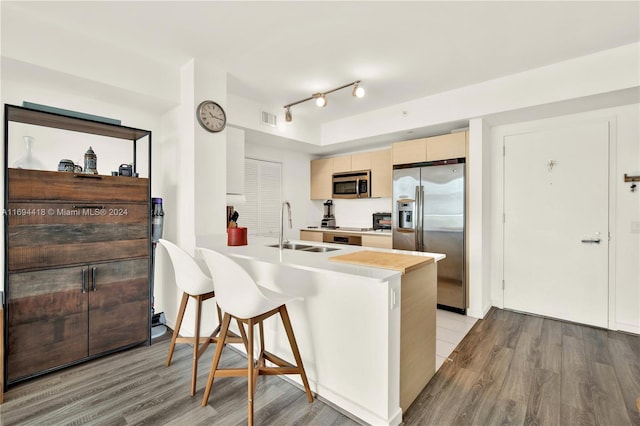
<point x="422" y="242"/>
<point x="417" y="215"/>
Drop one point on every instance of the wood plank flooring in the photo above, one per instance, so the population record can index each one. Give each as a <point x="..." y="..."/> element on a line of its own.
<point x="519" y="369"/>
<point x="135" y="388"/>
<point x="510" y="369"/>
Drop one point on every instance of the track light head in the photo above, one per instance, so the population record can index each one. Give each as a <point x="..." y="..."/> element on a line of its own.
<point x="358" y="91"/>
<point x="287" y="115"/>
<point x="321" y="100"/>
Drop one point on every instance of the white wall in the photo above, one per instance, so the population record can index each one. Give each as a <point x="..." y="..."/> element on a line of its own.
<point x="624" y="294"/>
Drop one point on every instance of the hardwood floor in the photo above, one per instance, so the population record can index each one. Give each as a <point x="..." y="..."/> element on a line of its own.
<point x="511" y="369"/>
<point x="135" y="388"/>
<point x="520" y="369"/>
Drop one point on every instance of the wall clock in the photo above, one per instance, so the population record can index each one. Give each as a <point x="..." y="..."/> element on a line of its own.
<point x="211" y="116"/>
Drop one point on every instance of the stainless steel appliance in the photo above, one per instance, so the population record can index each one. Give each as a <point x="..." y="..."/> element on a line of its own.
<point x="428" y="215"/>
<point x="328" y="221"/>
<point x="381" y="221"/>
<point x="352" y="184"/>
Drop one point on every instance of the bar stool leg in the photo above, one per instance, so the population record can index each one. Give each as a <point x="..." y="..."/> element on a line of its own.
<point x="250" y="390"/>
<point x="176" y="331"/>
<point x="294" y="348"/>
<point x="196" y="345"/>
<point x="216" y="358"/>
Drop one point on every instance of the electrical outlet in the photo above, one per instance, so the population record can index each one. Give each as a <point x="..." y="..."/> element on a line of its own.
<point x="635" y="227"/>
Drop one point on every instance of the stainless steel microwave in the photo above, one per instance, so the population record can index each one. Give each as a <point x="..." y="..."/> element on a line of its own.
<point x="352" y="184"/>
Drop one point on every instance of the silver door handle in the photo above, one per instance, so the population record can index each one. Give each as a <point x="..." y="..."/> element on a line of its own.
<point x="591" y="241"/>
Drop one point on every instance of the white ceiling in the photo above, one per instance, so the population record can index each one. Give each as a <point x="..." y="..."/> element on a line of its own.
<point x="280" y="52"/>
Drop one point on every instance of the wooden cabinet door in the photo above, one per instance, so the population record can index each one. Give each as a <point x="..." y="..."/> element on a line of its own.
<point x="361" y="161"/>
<point x="311" y="236"/>
<point x="446" y="147"/>
<point x="342" y="164"/>
<point x="381" y="173"/>
<point x="380" y="241"/>
<point x="321" y="177"/>
<point x="118" y="304"/>
<point x="47" y="320"/>
<point x="408" y="152"/>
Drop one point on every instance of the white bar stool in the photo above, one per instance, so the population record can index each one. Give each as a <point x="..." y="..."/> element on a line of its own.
<point x="241" y="298"/>
<point x="194" y="284"/>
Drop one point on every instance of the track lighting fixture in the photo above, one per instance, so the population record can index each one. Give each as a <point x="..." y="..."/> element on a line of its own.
<point x="358" y="91"/>
<point x="321" y="98"/>
<point x="321" y="101"/>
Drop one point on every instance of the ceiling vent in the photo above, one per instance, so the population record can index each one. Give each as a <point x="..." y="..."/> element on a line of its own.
<point x="269" y="119"/>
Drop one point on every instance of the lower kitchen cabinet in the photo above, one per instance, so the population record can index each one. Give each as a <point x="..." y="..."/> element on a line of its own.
<point x="380" y="241"/>
<point x="311" y="236"/>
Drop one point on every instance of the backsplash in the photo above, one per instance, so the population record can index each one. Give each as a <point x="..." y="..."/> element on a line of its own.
<point x="355" y="213"/>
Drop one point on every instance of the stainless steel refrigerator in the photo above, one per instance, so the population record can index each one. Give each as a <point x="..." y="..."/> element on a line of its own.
<point x="428" y="215"/>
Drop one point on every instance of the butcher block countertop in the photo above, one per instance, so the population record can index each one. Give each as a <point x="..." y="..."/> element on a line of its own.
<point x="396" y="261"/>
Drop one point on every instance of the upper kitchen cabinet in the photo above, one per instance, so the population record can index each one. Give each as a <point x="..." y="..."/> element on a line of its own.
<point x="342" y="164"/>
<point x="352" y="163"/>
<point x="445" y="147"/>
<point x="407" y="152"/>
<point x="321" y="176"/>
<point x="436" y="148"/>
<point x="381" y="173"/>
<point x="362" y="161"/>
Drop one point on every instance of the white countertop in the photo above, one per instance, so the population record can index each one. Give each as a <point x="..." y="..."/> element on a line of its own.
<point x="258" y="249"/>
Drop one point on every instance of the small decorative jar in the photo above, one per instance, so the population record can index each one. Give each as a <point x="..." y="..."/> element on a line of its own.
<point x="90" y="162"/>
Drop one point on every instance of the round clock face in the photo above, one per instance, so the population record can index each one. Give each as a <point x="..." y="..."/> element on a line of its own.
<point x="211" y="116"/>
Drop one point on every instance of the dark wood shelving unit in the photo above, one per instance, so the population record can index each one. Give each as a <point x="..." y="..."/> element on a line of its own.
<point x="79" y="284"/>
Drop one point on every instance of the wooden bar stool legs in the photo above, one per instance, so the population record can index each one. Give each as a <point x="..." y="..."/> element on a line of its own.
<point x="199" y="344"/>
<point x="258" y="367"/>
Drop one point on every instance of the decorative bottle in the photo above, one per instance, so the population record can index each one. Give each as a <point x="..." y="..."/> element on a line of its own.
<point x="28" y="160"/>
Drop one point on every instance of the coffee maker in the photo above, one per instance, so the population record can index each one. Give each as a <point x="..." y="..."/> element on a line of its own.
<point x="328" y="221"/>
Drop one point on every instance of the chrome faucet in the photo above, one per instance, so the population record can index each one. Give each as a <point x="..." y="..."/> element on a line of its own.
<point x="280" y="241"/>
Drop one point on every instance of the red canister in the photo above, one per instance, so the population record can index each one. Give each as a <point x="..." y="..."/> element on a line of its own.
<point x="237" y="236"/>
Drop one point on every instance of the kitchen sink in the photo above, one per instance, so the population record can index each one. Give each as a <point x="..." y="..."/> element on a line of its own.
<point x="304" y="247"/>
<point x="292" y="246"/>
<point x="320" y="249"/>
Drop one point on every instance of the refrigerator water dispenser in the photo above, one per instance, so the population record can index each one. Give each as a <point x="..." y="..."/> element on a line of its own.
<point x="405" y="214"/>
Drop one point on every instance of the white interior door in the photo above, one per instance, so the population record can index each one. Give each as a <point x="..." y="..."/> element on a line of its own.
<point x="556" y="222"/>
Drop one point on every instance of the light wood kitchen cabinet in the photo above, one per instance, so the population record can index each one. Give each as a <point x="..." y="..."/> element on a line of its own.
<point x="435" y="148"/>
<point x="321" y="178"/>
<point x="342" y="164"/>
<point x="352" y="163"/>
<point x="311" y="236"/>
<point x="361" y="161"/>
<point x="445" y="147"/>
<point x="380" y="241"/>
<point x="407" y="152"/>
<point x="381" y="174"/>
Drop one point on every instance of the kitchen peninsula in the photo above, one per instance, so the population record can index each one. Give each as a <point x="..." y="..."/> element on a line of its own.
<point x="365" y="323"/>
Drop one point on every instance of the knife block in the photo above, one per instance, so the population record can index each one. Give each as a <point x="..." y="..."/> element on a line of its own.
<point x="237" y="236"/>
